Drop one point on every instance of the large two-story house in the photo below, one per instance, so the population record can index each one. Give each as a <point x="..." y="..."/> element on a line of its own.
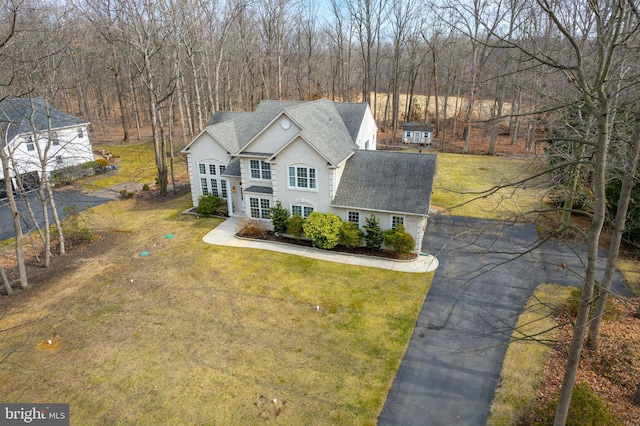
<point x="35" y="133"/>
<point x="311" y="156"/>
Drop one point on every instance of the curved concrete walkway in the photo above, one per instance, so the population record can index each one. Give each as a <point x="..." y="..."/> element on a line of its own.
<point x="224" y="235"/>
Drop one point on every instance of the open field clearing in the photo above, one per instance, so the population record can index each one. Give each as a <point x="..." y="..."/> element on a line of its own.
<point x="481" y="110"/>
<point x="200" y="334"/>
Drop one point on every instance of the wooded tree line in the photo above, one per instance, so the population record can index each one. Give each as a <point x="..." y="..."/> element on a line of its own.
<point x="563" y="72"/>
<point x="139" y="62"/>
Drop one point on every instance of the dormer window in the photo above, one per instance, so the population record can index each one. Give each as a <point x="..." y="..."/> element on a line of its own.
<point x="260" y="170"/>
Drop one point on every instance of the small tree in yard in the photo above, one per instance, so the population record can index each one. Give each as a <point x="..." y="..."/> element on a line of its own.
<point x="294" y="226"/>
<point x="375" y="235"/>
<point x="399" y="240"/>
<point x="279" y="218"/>
<point x="323" y="229"/>
<point x="350" y="235"/>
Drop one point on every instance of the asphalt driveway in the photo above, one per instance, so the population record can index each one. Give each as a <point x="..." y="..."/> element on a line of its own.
<point x="487" y="272"/>
<point x="64" y="198"/>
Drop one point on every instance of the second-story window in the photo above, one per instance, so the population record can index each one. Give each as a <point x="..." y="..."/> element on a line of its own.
<point x="260" y="170"/>
<point x="302" y="177"/>
<point x="55" y="140"/>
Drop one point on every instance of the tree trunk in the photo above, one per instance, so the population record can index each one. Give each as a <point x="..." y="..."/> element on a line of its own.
<point x="15" y="215"/>
<point x="119" y="91"/>
<point x="497" y="118"/>
<point x="636" y="396"/>
<point x="628" y="182"/>
<point x="5" y="281"/>
<point x="597" y="221"/>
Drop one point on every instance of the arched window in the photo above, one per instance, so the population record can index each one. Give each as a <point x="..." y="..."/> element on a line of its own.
<point x="211" y="180"/>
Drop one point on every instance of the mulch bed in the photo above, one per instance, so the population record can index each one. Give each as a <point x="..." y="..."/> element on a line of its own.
<point x="362" y="251"/>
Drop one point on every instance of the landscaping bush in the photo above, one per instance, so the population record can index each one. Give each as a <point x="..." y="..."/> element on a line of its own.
<point x="74" y="228"/>
<point x="252" y="228"/>
<point x="611" y="311"/>
<point x="101" y="165"/>
<point x="323" y="229"/>
<point x="350" y="235"/>
<point x="399" y="240"/>
<point x="208" y="205"/>
<point x="126" y="194"/>
<point x="295" y="226"/>
<point x="586" y="409"/>
<point x="374" y="236"/>
<point x="279" y="218"/>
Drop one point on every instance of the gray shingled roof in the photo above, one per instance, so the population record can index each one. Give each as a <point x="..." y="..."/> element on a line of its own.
<point x="24" y="115"/>
<point x="421" y="127"/>
<point x="259" y="189"/>
<point x="233" y="168"/>
<point x="387" y="181"/>
<point x="323" y="127"/>
<point x="330" y="128"/>
<point x="352" y="114"/>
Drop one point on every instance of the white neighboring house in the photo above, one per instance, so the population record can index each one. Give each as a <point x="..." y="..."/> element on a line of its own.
<point x="30" y="127"/>
<point x="311" y="156"/>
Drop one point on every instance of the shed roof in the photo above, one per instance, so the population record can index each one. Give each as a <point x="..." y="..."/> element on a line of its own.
<point x="420" y="127"/>
<point x="387" y="181"/>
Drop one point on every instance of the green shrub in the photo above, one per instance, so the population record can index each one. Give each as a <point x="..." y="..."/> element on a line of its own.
<point x="374" y="236"/>
<point x="295" y="226"/>
<point x="101" y="163"/>
<point x="323" y="229"/>
<point x="399" y="240"/>
<point x="350" y="235"/>
<point x="611" y="311"/>
<point x="279" y="218"/>
<point x="145" y="187"/>
<point x="74" y="228"/>
<point x="125" y="194"/>
<point x="586" y="409"/>
<point x="208" y="205"/>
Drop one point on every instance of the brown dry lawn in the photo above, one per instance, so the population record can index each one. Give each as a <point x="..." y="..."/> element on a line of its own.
<point x="201" y="334"/>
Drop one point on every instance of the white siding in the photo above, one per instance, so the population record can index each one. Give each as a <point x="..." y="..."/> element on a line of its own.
<point x="368" y="131"/>
<point x="72" y="150"/>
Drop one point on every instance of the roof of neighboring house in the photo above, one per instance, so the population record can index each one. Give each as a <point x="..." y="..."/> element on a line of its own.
<point x="387" y="181"/>
<point x="331" y="128"/>
<point x="421" y="127"/>
<point x="26" y="115"/>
